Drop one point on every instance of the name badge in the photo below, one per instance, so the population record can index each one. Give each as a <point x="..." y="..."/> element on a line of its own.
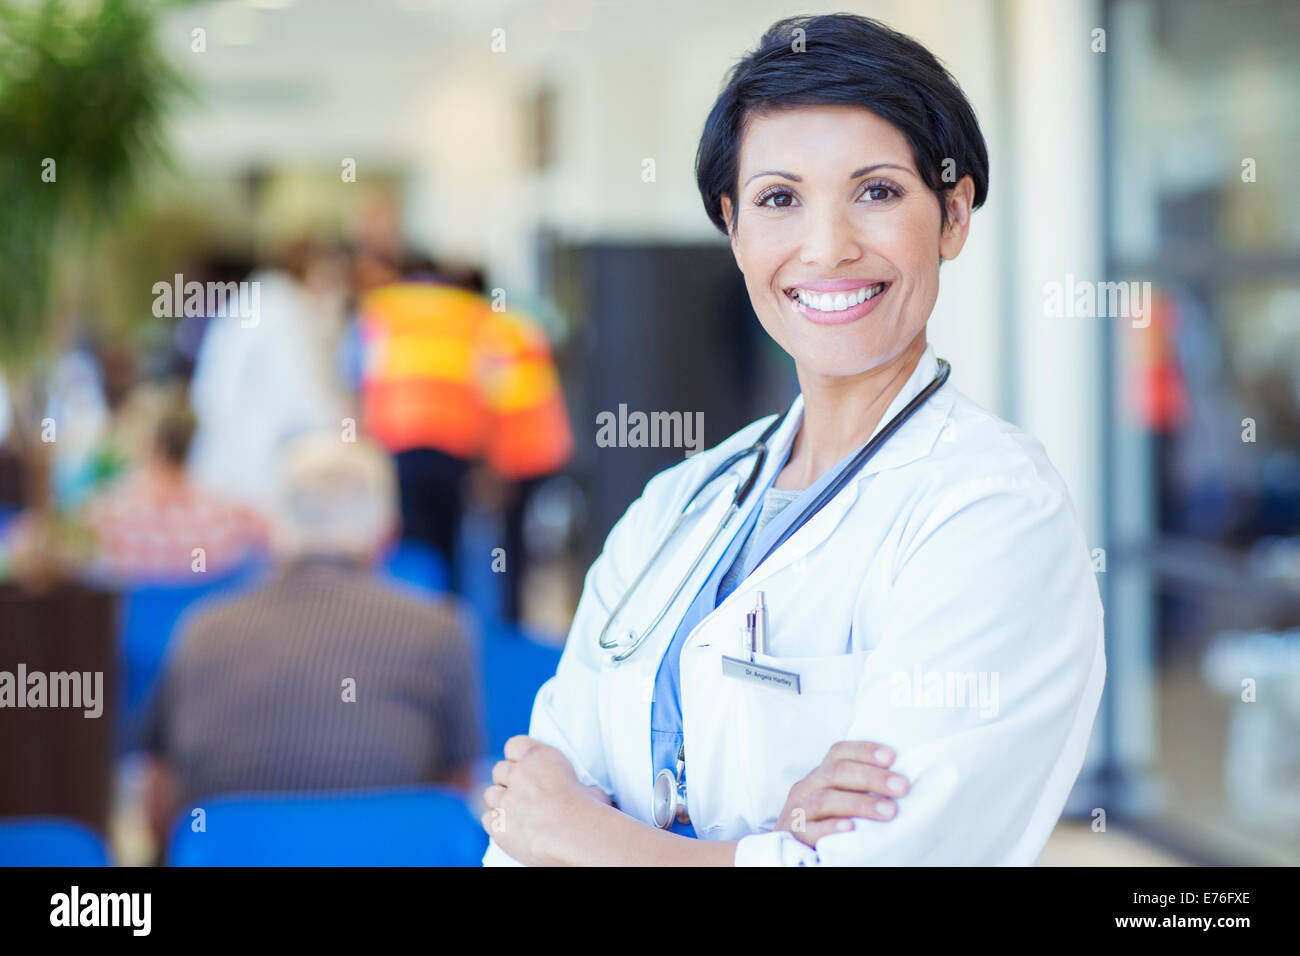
<point x="760" y="674"/>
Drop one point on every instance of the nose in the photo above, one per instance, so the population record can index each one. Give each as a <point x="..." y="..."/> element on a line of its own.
<point x="830" y="240"/>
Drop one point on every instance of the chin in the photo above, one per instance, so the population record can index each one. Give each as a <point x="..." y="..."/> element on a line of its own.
<point x="825" y="352"/>
<point x="838" y="361"/>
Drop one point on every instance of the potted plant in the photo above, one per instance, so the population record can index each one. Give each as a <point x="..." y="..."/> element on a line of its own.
<point x="83" y="94"/>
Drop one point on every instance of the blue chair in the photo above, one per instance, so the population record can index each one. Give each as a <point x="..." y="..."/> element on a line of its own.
<point x="147" y="623"/>
<point x="417" y="565"/>
<point x="514" y="668"/>
<point x="46" y="841"/>
<point x="481" y="588"/>
<point x="407" y="826"/>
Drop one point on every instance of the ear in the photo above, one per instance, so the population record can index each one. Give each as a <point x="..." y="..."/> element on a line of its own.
<point x="731" y="233"/>
<point x="958" y="201"/>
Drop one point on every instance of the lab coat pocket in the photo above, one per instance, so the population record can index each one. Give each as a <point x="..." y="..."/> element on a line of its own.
<point x="784" y="736"/>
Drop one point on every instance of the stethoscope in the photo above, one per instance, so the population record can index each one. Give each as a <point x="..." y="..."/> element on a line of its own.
<point x="759" y="450"/>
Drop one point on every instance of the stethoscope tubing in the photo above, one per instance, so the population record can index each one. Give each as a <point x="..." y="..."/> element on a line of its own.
<point x="737" y="501"/>
<point x="859" y="461"/>
<point x="759" y="447"/>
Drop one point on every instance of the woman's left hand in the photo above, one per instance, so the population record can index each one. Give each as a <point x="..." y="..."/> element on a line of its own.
<point x="536" y="802"/>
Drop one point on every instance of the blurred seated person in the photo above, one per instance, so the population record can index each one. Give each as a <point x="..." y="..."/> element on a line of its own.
<point x="324" y="679"/>
<point x="149" y="524"/>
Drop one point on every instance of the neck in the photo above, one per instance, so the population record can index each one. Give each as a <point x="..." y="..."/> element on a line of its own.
<point x="335" y="559"/>
<point x="167" y="474"/>
<point x="841" y="411"/>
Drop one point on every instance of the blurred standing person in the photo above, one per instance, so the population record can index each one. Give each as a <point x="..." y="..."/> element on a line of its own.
<point x="256" y="697"/>
<point x="187" y="331"/>
<point x="79" y="410"/>
<point x="261" y="380"/>
<point x="448" y="382"/>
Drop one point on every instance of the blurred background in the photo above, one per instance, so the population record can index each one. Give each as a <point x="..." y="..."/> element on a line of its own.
<point x="525" y="170"/>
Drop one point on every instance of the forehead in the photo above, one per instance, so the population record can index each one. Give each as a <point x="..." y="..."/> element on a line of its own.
<point x="823" y="136"/>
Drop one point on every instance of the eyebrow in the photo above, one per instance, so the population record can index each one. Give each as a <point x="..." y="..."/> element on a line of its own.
<point x="853" y="175"/>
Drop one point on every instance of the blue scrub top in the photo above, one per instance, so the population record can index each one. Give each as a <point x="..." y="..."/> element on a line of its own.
<point x="666" y="733"/>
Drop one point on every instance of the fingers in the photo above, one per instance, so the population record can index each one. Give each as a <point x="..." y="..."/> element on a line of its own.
<point x="493" y="796"/>
<point x="519" y="745"/>
<point x="491" y="822"/>
<point x="815" y="831"/>
<point x="853" y="781"/>
<point x="501" y="772"/>
<point x="866" y="778"/>
<point x="832" y="812"/>
<point x="841" y="804"/>
<point x="862" y="751"/>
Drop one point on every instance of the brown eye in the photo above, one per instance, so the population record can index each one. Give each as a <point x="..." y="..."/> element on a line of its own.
<point x="879" y="193"/>
<point x="776" y="194"/>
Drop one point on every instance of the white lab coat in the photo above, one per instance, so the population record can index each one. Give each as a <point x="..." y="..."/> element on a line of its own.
<point x="255" y="388"/>
<point x="954" y="557"/>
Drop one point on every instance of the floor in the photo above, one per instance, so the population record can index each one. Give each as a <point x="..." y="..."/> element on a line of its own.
<point x="1075" y="844"/>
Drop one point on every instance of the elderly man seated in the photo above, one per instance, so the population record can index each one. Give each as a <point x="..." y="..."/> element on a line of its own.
<point x="324" y="678"/>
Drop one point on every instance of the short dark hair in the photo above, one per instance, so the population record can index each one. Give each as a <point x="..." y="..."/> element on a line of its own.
<point x="845" y="60"/>
<point x="174" y="433"/>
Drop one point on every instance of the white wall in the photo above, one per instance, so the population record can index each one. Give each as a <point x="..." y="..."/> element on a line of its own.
<point x="1057" y="143"/>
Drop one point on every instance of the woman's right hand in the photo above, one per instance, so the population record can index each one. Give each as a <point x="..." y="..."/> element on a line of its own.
<point x="853" y="781"/>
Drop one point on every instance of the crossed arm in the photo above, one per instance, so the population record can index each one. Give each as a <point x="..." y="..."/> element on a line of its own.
<point x="994" y="581"/>
<point x="542" y="815"/>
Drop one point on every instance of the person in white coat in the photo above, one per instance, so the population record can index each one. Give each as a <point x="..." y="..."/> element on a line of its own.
<point x="930" y="647"/>
<point x="261" y="380"/>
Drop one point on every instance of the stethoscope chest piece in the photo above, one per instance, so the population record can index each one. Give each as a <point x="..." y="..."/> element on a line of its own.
<point x="668" y="796"/>
<point x="664" y="799"/>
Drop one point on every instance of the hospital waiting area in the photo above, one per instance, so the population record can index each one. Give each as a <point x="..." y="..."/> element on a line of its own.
<point x="217" y="214"/>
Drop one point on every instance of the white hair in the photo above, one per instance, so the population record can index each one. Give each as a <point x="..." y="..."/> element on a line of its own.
<point x="337" y="498"/>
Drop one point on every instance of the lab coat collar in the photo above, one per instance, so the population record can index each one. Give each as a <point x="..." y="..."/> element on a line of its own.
<point x="915" y="439"/>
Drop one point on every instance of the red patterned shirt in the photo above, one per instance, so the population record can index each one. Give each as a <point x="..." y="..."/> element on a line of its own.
<point x="156" y="528"/>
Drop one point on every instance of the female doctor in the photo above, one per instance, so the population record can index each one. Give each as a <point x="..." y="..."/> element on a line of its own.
<point x="863" y="632"/>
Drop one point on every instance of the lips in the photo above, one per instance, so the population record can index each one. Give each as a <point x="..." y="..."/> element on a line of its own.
<point x="836" y="285"/>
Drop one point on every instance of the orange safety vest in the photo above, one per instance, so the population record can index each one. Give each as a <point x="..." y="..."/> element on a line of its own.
<point x="441" y="369"/>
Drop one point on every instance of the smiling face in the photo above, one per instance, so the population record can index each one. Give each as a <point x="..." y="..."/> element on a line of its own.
<point x="839" y="237"/>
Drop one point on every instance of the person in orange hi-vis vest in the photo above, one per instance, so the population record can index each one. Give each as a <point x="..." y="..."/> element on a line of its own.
<point x="448" y="382"/>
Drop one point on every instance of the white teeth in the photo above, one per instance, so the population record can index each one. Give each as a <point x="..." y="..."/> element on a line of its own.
<point x="838" y="301"/>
